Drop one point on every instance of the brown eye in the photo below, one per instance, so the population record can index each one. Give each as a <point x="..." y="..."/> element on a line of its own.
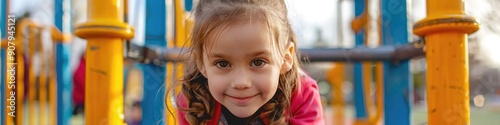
<point x="258" y="63"/>
<point x="222" y="64"/>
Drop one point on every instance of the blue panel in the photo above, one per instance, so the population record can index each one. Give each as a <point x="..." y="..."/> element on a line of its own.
<point x="188" y="4"/>
<point x="397" y="78"/>
<point x="3" y="17"/>
<point x="155" y="23"/>
<point x="2" y="87"/>
<point x="63" y="70"/>
<point x="58" y="14"/>
<point x="153" y="103"/>
<point x="64" y="85"/>
<point x="359" y="101"/>
<point x="397" y="94"/>
<point x="3" y="14"/>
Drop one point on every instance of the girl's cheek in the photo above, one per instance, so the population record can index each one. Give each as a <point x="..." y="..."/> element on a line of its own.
<point x="217" y="80"/>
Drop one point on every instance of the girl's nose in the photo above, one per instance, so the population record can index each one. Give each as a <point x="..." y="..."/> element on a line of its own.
<point x="241" y="80"/>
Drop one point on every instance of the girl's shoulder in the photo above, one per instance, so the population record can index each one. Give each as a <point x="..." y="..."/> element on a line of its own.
<point x="305" y="104"/>
<point x="306" y="85"/>
<point x="306" y="81"/>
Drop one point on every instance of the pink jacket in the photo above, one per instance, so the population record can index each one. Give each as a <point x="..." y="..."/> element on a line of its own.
<point x="305" y="105"/>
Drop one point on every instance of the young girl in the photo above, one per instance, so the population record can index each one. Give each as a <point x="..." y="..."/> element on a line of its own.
<point x="244" y="68"/>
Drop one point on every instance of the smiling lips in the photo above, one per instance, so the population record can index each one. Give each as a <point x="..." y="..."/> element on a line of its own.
<point x="242" y="100"/>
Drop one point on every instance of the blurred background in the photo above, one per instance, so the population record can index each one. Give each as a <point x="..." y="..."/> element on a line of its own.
<point x="318" y="24"/>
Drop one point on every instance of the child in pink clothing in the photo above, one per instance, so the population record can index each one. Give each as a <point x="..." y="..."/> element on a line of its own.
<point x="305" y="105"/>
<point x="244" y="68"/>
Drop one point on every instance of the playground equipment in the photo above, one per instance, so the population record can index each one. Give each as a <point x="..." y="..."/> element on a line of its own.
<point x="445" y="30"/>
<point x="444" y="33"/>
<point x="105" y="32"/>
<point x="154" y="75"/>
<point x="46" y="78"/>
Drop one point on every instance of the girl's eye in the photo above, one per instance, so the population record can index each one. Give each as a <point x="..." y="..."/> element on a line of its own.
<point x="258" y="63"/>
<point x="222" y="64"/>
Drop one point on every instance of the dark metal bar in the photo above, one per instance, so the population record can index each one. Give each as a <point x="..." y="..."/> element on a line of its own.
<point x="154" y="55"/>
<point x="348" y="55"/>
<point x="159" y="56"/>
<point x="383" y="53"/>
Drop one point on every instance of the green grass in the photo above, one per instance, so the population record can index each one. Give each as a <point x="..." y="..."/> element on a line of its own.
<point x="477" y="117"/>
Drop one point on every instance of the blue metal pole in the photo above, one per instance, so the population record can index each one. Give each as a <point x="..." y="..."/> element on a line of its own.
<point x="3" y="19"/>
<point x="398" y="89"/>
<point x="153" y="103"/>
<point x="63" y="71"/>
<point x="359" y="101"/>
<point x="188" y="4"/>
<point x="2" y="87"/>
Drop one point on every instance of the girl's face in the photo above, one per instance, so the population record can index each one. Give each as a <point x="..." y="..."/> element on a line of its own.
<point x="242" y="67"/>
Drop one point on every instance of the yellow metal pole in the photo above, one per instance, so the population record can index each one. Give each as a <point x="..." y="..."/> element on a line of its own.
<point x="335" y="77"/>
<point x="19" y="79"/>
<point x="19" y="60"/>
<point x="42" y="81"/>
<point x="379" y="74"/>
<point x="374" y="111"/>
<point x="368" y="68"/>
<point x="20" y="88"/>
<point x="445" y="30"/>
<point x="180" y="31"/>
<point x="52" y="88"/>
<point x="362" y="22"/>
<point x="20" y="82"/>
<point x="8" y="119"/>
<point x="379" y="81"/>
<point x="169" y="113"/>
<point x="367" y="83"/>
<point x="105" y="32"/>
<point x="179" y="41"/>
<point x="32" y="75"/>
<point x="4" y="43"/>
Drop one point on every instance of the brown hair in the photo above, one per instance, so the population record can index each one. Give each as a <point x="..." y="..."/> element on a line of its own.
<point x="212" y="14"/>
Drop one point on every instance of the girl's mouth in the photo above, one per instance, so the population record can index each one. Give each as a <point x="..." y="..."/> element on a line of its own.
<point x="242" y="100"/>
